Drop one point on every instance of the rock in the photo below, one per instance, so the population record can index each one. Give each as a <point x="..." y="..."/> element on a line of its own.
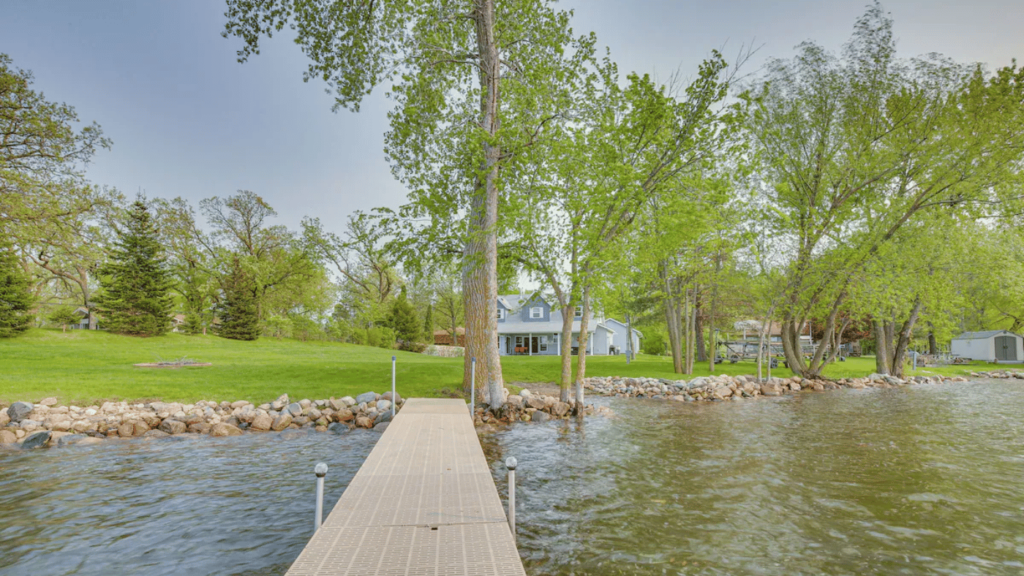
<point x="382" y="417"/>
<point x="771" y="388"/>
<point x="37" y="440"/>
<point x="48" y="402"/>
<point x="515" y="401"/>
<point x="560" y="409"/>
<point x="344" y="415"/>
<point x="525" y="393"/>
<point x="539" y="416"/>
<point x="30" y="425"/>
<point x="261" y="422"/>
<point x="8" y="437"/>
<point x="338" y="428"/>
<point x="366" y="397"/>
<point x="126" y="430"/>
<point x="221" y="430"/>
<point x="349" y="401"/>
<point x="155" y="434"/>
<point x="364" y="422"/>
<point x="171" y="426"/>
<point x="381" y="427"/>
<point x="305" y="403"/>
<point x="295" y="409"/>
<point x="239" y="404"/>
<point x="281" y="422"/>
<point x="383" y="405"/>
<point x="300" y="421"/>
<point x="337" y="404"/>
<point x="721" y="392"/>
<point x="536" y="402"/>
<point x="397" y="399"/>
<point x="73" y="439"/>
<point x="4" y="418"/>
<point x="201" y="427"/>
<point x="280" y="403"/>
<point x="19" y="411"/>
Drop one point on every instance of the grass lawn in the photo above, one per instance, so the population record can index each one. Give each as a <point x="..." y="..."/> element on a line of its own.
<point x="84" y="367"/>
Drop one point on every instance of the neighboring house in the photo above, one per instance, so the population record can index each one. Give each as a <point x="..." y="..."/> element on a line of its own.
<point x="752" y="331"/>
<point x="177" y="321"/>
<point x="528" y="326"/>
<point x="444" y="337"/>
<point x="83" y="319"/>
<point x="619" y="341"/>
<point x="991" y="346"/>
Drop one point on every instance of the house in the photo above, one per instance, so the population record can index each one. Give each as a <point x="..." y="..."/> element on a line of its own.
<point x="528" y="326"/>
<point x="991" y="345"/>
<point x="619" y="340"/>
<point x="444" y="337"/>
<point x="177" y="322"/>
<point x="82" y="313"/>
<point x="751" y="330"/>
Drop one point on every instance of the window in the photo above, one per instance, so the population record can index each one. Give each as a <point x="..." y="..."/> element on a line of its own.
<point x="501" y="313"/>
<point x="536" y="312"/>
<point x="579" y="310"/>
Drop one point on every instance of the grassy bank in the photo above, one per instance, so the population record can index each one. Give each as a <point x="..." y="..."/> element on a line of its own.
<point x="83" y="367"/>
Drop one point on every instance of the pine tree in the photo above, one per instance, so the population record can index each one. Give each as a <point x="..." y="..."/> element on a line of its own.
<point x="63" y="316"/>
<point x="15" y="296"/>
<point x="239" y="319"/>
<point x="136" y="296"/>
<point x="428" y="325"/>
<point x="403" y="320"/>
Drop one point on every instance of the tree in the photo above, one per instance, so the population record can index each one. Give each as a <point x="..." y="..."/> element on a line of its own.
<point x="856" y="147"/>
<point x="63" y="316"/>
<point x="136" y="297"/>
<point x="15" y="296"/>
<point x="402" y="319"/>
<point x="473" y="77"/>
<point x="237" y="310"/>
<point x="428" y="324"/>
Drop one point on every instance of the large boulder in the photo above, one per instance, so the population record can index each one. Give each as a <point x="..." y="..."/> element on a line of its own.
<point x="381" y="427"/>
<point x="771" y="388"/>
<point x="539" y="416"/>
<point x="295" y="409"/>
<point x="535" y="402"/>
<point x="338" y="428"/>
<point x="261" y="422"/>
<point x="222" y="429"/>
<point x="281" y="422"/>
<point x="387" y="396"/>
<point x="280" y="403"/>
<point x="73" y="439"/>
<point x="560" y="409"/>
<point x="366" y="398"/>
<point x="8" y="437"/>
<point x="344" y="415"/>
<point x="383" y="405"/>
<point x="364" y="422"/>
<point x="4" y="418"/>
<point x="48" y="402"/>
<point x="19" y="411"/>
<point x="171" y="426"/>
<point x="515" y="401"/>
<point x="37" y="440"/>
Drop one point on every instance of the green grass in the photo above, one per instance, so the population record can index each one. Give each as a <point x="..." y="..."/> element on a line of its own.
<point x="84" y="367"/>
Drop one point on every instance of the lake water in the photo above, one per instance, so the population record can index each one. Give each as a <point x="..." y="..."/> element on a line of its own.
<point x="920" y="480"/>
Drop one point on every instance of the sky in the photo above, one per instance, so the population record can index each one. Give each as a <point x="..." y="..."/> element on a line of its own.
<point x="186" y="119"/>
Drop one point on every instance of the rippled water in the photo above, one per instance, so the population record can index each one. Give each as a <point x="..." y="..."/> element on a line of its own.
<point x="921" y="480"/>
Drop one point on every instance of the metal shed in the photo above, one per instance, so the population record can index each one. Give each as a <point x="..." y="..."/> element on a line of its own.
<point x="991" y="346"/>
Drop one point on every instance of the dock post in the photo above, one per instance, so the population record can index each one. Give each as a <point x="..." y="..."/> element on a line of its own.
<point x="320" y="470"/>
<point x="394" y="398"/>
<point x="472" y="390"/>
<point x="510" y="463"/>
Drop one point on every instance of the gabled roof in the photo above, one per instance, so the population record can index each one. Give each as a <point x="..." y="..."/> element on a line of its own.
<point x="983" y="335"/>
<point x="624" y="325"/>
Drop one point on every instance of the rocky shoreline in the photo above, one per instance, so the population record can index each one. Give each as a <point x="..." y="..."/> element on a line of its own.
<point x="27" y="425"/>
<point x="738" y="388"/>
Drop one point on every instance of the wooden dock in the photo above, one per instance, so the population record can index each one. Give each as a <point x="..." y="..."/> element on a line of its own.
<point x="423" y="503"/>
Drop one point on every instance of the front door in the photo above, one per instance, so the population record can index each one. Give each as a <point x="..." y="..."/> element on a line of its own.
<point x="1006" y="348"/>
<point x="533" y="344"/>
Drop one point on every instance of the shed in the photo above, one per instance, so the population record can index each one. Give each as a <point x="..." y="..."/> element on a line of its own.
<point x="991" y="346"/>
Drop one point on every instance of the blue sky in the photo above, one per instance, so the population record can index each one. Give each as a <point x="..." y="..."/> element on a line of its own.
<point x="188" y="120"/>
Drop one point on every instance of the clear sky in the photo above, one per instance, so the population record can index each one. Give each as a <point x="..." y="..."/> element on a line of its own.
<point x="187" y="120"/>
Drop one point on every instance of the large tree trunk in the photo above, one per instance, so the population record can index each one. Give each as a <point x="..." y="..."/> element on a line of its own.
<point x="933" y="344"/>
<point x="881" y="353"/>
<point x="712" y="339"/>
<point x="581" y="358"/>
<point x="480" y="272"/>
<point x="791" y="348"/>
<point x="566" y="381"/>
<point x="904" y="340"/>
<point x="691" y="329"/>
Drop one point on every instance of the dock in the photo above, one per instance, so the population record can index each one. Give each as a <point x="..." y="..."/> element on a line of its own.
<point x="423" y="503"/>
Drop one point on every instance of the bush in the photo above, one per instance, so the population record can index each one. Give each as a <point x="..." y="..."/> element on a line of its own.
<point x="654" y="341"/>
<point x="417" y="347"/>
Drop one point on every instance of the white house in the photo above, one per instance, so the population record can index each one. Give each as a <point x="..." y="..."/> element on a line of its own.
<point x="528" y="326"/>
<point x="619" y="340"/>
<point x="991" y="346"/>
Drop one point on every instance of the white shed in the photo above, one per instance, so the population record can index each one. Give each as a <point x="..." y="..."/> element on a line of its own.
<point x="991" y="346"/>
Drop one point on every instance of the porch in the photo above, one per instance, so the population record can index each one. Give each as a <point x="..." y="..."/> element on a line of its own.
<point x="530" y="344"/>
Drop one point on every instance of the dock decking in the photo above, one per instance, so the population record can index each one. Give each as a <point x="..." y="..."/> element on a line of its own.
<point x="423" y="503"/>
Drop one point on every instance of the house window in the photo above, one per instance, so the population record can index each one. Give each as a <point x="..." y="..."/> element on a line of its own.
<point x="536" y="312"/>
<point x="543" y="346"/>
<point x="501" y="313"/>
<point x="579" y="311"/>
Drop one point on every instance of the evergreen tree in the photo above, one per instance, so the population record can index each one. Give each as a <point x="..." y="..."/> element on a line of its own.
<point x="428" y="325"/>
<point x="403" y="320"/>
<point x="63" y="317"/>
<point x="15" y="296"/>
<point x="237" y="311"/>
<point x="136" y="296"/>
